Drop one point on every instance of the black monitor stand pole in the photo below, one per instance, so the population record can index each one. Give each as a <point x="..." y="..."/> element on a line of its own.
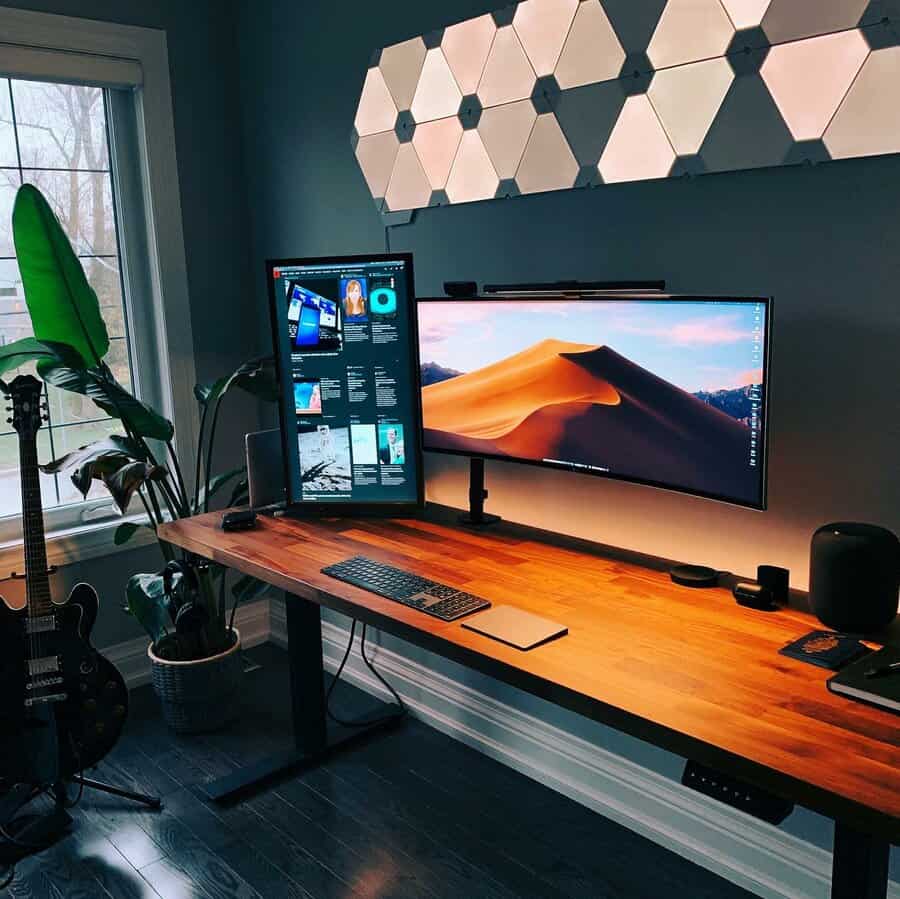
<point x="477" y="495"/>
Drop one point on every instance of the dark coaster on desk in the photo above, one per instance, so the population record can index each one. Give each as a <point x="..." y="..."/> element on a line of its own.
<point x="826" y="649"/>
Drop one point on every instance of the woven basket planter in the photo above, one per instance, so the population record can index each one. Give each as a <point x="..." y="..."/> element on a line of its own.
<point x="199" y="696"/>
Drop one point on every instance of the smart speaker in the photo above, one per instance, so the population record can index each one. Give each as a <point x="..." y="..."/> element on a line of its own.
<point x="854" y="576"/>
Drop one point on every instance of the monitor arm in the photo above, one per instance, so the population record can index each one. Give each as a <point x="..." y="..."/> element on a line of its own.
<point x="477" y="495"/>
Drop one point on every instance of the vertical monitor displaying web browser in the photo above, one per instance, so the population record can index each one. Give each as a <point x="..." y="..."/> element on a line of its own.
<point x="346" y="343"/>
<point x="666" y="391"/>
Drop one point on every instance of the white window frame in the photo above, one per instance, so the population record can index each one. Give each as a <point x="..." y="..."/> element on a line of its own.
<point x="53" y="47"/>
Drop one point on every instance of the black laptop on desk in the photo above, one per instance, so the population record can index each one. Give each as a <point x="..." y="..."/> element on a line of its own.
<point x="346" y="346"/>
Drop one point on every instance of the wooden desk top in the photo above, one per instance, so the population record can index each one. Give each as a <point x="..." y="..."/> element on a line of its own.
<point x="687" y="670"/>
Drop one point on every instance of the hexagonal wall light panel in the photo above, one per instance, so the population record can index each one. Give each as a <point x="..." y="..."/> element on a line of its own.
<point x="436" y="144"/>
<point x="473" y="176"/>
<point x="543" y="95"/>
<point x="466" y="46"/>
<point x="746" y="13"/>
<point x="687" y="98"/>
<point x="505" y="131"/>
<point x="542" y="27"/>
<point x="401" y="65"/>
<point x="508" y="75"/>
<point x="437" y="93"/>
<point x="592" y="51"/>
<point x="688" y="31"/>
<point x="547" y="163"/>
<point x="868" y="121"/>
<point x="638" y="147"/>
<point x="808" y="79"/>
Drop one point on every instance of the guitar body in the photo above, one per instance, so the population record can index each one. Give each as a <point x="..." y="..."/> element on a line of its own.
<point x="62" y="704"/>
<point x="89" y="702"/>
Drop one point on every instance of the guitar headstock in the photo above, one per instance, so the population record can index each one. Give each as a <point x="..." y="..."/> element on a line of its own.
<point x="28" y="411"/>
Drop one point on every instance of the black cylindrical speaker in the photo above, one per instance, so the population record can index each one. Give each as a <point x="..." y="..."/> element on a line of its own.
<point x="854" y="576"/>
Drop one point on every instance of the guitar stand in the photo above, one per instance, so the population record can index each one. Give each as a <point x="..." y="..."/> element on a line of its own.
<point x="142" y="798"/>
<point x="28" y="833"/>
<point x="25" y="834"/>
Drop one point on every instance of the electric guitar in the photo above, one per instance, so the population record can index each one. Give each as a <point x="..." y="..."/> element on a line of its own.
<point x="62" y="704"/>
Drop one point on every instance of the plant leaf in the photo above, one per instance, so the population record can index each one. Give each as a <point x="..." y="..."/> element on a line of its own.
<point x="256" y="376"/>
<point x="62" y="305"/>
<point x="112" y="444"/>
<point x="112" y="398"/>
<point x="96" y="460"/>
<point x="126" y="479"/>
<point x="25" y="350"/>
<point x="147" y="601"/>
<point x="203" y="392"/>
<point x="126" y="530"/>
<point x="248" y="588"/>
<point x="219" y="481"/>
<point x="260" y="380"/>
<point x="240" y="496"/>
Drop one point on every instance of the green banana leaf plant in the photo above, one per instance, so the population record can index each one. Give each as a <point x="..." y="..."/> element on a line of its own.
<point x="183" y="607"/>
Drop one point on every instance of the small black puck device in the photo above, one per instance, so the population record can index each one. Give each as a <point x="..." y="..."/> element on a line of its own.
<point x="694" y="576"/>
<point x="241" y="520"/>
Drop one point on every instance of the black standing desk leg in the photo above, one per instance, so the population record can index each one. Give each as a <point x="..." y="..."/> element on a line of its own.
<point x="307" y="672"/>
<point x="311" y="740"/>
<point x="859" y="864"/>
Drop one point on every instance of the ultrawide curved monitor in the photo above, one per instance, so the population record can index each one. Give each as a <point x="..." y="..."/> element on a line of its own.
<point x="659" y="390"/>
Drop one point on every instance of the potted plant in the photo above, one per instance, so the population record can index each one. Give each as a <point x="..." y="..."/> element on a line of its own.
<point x="194" y="647"/>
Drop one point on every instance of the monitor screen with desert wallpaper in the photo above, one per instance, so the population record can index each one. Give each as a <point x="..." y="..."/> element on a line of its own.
<point x="669" y="392"/>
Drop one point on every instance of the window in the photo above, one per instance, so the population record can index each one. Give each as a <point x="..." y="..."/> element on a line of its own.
<point x="55" y="136"/>
<point x="86" y="114"/>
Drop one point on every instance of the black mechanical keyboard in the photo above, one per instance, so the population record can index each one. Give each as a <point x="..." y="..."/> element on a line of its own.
<point x="439" y="600"/>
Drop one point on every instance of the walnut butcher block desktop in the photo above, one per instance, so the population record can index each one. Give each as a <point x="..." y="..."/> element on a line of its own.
<point x="687" y="670"/>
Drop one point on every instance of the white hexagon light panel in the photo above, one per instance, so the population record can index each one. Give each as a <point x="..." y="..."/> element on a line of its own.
<point x="557" y="94"/>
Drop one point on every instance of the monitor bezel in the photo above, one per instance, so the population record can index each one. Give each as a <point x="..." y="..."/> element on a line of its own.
<point x="650" y="297"/>
<point x="327" y="509"/>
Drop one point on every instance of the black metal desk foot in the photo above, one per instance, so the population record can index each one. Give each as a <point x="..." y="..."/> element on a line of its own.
<point x="282" y="764"/>
<point x="859" y="864"/>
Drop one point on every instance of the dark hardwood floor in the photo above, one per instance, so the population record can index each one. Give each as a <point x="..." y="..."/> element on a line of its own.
<point x="408" y="813"/>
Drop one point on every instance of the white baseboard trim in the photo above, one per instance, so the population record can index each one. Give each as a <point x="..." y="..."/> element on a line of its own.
<point x="757" y="856"/>
<point x="131" y="657"/>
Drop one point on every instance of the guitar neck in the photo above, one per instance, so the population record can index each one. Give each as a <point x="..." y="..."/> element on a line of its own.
<point x="37" y="580"/>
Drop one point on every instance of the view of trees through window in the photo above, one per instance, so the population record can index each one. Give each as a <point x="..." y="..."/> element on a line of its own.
<point x="55" y="137"/>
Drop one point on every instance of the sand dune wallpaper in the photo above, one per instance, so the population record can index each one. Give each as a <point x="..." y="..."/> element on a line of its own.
<point x="667" y="393"/>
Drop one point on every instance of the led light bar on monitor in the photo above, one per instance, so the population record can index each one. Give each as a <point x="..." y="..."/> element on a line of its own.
<point x="660" y="390"/>
<point x="582" y="288"/>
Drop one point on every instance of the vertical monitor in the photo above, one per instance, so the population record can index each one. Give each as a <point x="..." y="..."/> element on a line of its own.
<point x="666" y="391"/>
<point x="346" y="344"/>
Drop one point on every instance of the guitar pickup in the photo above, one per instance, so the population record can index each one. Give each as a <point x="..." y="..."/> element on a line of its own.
<point x="46" y="665"/>
<point x="40" y="625"/>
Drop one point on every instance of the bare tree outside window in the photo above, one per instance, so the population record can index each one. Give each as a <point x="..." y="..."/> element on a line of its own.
<point x="54" y="136"/>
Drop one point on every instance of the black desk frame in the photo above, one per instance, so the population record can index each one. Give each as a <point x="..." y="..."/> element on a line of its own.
<point x="313" y="739"/>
